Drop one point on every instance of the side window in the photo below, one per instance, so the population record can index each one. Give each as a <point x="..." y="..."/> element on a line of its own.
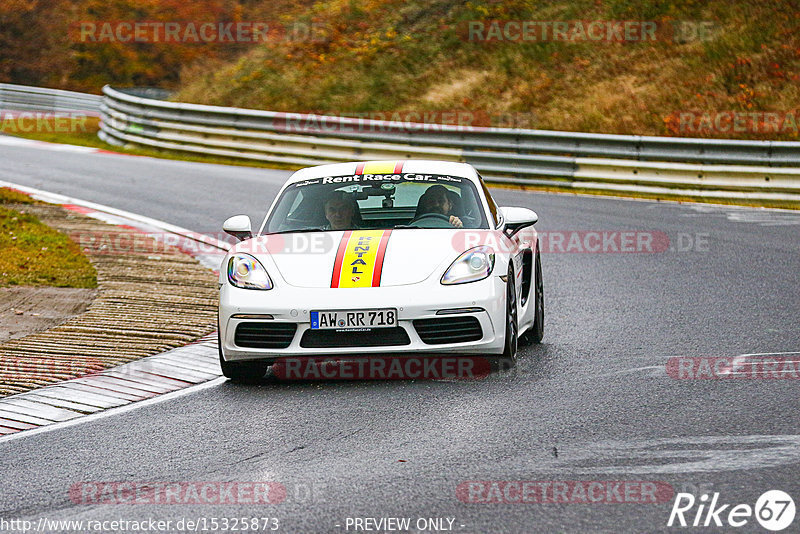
<point x="490" y="202"/>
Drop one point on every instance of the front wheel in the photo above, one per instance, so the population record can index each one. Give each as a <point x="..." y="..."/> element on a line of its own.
<point x="241" y="372"/>
<point x="536" y="331"/>
<point x="509" y="358"/>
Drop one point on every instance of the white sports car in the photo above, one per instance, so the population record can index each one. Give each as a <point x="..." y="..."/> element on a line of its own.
<point x="407" y="257"/>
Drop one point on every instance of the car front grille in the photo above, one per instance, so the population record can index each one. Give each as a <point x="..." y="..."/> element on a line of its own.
<point x="377" y="337"/>
<point x="264" y="335"/>
<point x="448" y="330"/>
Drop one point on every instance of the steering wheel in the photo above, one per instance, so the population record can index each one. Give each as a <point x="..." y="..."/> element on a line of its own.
<point x="469" y="221"/>
<point x="436" y="219"/>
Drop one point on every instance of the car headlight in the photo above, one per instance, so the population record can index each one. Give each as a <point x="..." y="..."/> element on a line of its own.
<point x="473" y="265"/>
<point x="246" y="272"/>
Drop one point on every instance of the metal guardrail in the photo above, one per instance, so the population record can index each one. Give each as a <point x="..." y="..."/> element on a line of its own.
<point x="38" y="99"/>
<point x="758" y="170"/>
<point x="695" y="167"/>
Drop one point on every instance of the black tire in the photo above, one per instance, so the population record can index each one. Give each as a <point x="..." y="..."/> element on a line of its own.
<point x="536" y="332"/>
<point x="509" y="358"/>
<point x="241" y="372"/>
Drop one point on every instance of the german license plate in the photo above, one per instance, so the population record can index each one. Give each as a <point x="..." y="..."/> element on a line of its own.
<point x="353" y="319"/>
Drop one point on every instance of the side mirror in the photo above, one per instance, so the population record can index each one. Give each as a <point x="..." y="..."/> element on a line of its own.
<point x="239" y="227"/>
<point x="515" y="219"/>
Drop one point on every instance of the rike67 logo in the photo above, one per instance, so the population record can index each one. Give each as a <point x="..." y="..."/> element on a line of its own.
<point x="774" y="511"/>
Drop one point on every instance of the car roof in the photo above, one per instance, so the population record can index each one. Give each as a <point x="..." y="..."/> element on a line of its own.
<point x="416" y="166"/>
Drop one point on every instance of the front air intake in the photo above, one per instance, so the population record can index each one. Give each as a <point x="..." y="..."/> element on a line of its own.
<point x="443" y="330"/>
<point x="264" y="335"/>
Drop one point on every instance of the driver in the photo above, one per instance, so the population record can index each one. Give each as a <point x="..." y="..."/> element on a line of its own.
<point x="437" y="200"/>
<point x="341" y="211"/>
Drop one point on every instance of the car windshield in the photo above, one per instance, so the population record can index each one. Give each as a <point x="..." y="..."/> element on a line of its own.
<point x="377" y="202"/>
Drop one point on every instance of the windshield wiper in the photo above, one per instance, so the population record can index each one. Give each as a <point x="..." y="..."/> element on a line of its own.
<point x="299" y="231"/>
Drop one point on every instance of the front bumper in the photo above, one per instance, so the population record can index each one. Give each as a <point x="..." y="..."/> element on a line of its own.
<point x="287" y="304"/>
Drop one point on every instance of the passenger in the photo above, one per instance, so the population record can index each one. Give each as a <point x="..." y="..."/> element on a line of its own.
<point x="341" y="211"/>
<point x="436" y="201"/>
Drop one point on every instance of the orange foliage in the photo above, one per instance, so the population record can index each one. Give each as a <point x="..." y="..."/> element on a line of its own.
<point x="30" y="51"/>
<point x="42" y="43"/>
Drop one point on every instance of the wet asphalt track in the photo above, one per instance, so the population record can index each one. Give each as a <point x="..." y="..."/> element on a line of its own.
<point x="593" y="402"/>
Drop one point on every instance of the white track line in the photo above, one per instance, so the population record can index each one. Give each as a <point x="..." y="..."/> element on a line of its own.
<point x="113" y="411"/>
<point x="9" y="140"/>
<point x="55" y="198"/>
<point x="147" y="224"/>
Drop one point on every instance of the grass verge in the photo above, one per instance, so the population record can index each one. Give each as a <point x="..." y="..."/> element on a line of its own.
<point x="33" y="254"/>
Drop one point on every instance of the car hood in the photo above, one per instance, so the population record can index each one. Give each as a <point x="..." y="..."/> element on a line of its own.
<point x="331" y="259"/>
